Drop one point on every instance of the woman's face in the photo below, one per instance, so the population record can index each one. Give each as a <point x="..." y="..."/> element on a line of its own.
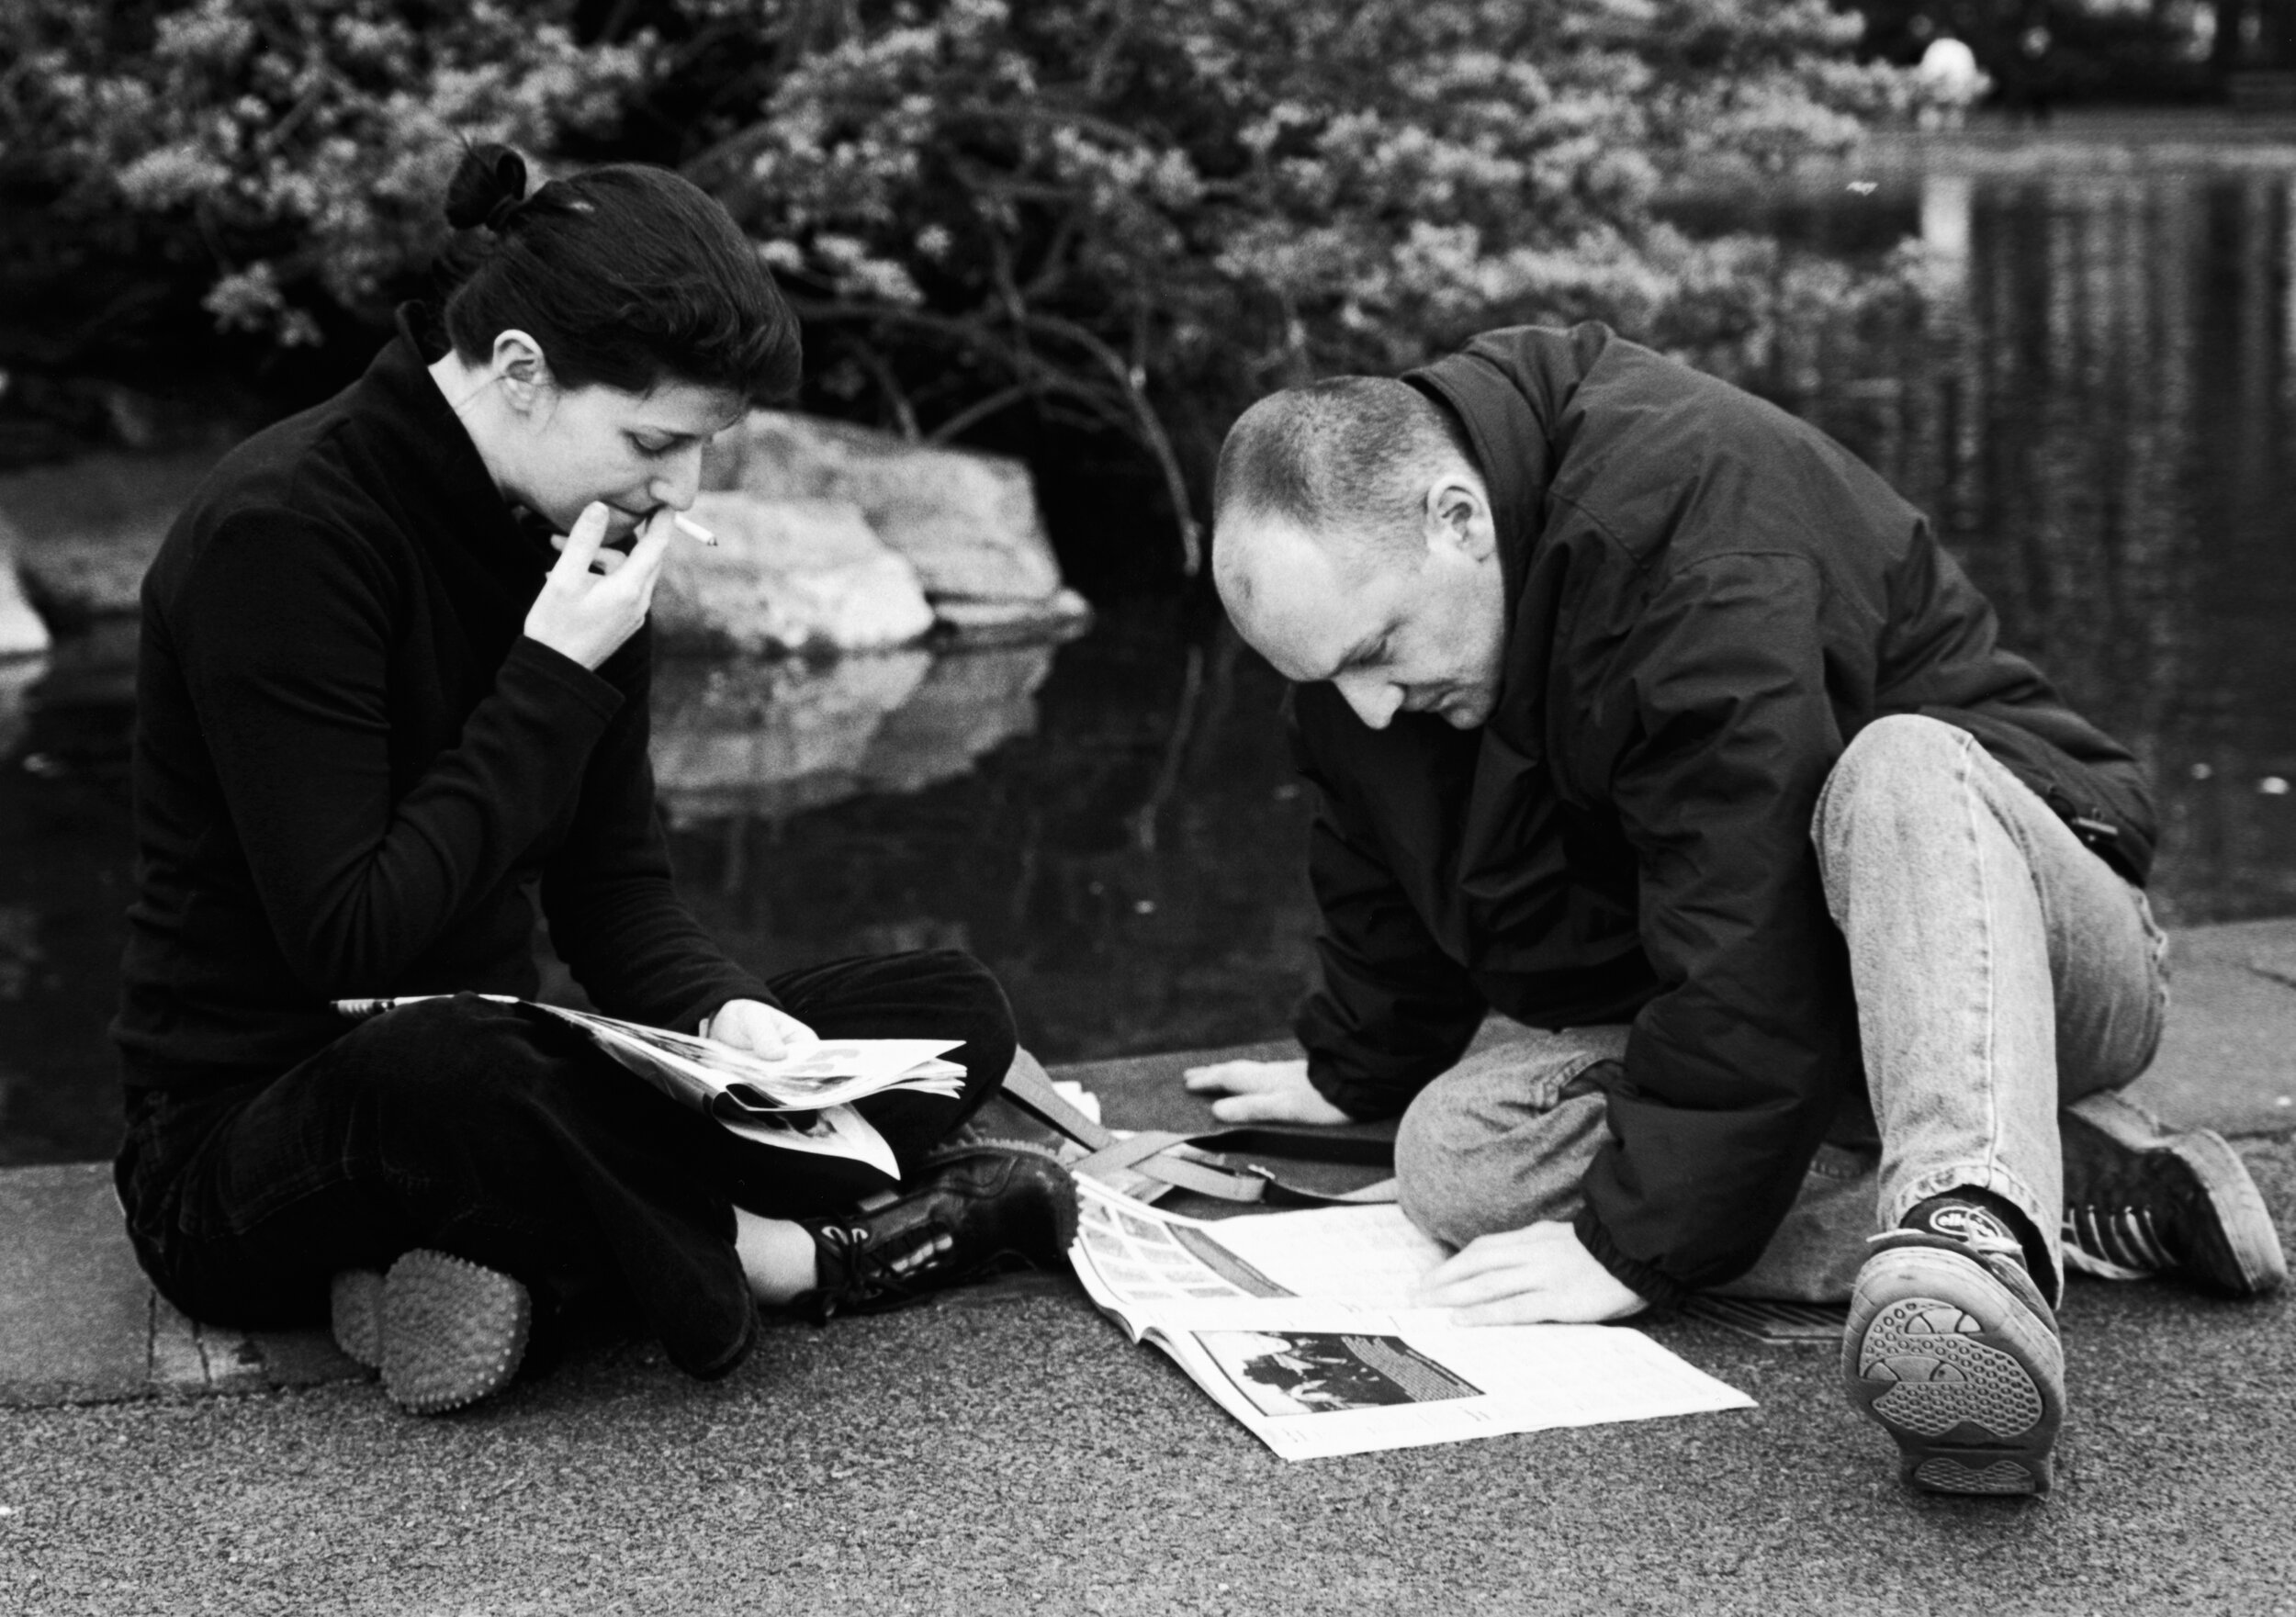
<point x="636" y="451"/>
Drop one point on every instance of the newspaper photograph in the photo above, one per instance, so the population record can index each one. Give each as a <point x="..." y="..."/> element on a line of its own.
<point x="1301" y="1326"/>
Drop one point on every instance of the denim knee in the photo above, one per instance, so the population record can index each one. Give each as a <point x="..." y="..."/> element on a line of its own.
<point x="1503" y="1140"/>
<point x="1428" y="1143"/>
<point x="1887" y="776"/>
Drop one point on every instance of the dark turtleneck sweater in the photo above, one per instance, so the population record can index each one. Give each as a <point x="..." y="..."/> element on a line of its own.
<point x="355" y="774"/>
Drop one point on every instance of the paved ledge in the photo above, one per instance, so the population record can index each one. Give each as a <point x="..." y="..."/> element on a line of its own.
<point x="80" y="1324"/>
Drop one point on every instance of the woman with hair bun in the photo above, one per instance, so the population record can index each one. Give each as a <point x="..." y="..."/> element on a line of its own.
<point x="393" y="698"/>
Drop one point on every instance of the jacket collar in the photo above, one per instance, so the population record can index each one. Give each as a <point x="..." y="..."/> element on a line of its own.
<point x="1509" y="390"/>
<point x="437" y="480"/>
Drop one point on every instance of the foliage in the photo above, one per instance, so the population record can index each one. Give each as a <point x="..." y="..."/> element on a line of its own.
<point x="1131" y="215"/>
<point x="304" y="142"/>
<point x="1144" y="211"/>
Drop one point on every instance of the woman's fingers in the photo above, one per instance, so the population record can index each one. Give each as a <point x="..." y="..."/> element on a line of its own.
<point x="587" y="616"/>
<point x="761" y="1028"/>
<point x="644" y="559"/>
<point x="603" y="564"/>
<point x="581" y="547"/>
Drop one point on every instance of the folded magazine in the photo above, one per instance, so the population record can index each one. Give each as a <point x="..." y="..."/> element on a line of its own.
<point x="801" y="1102"/>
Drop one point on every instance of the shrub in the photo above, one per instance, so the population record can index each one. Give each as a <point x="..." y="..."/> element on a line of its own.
<point x="1142" y="212"/>
<point x="302" y="144"/>
<point x="1131" y="215"/>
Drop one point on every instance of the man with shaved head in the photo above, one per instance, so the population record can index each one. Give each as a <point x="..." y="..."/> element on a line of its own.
<point x="1647" y="716"/>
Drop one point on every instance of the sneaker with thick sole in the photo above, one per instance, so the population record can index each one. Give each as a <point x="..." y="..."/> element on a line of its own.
<point x="1952" y="1350"/>
<point x="983" y="1207"/>
<point x="444" y="1331"/>
<point x="2143" y="1199"/>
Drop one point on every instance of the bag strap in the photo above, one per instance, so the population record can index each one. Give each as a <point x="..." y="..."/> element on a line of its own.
<point x="1153" y="1163"/>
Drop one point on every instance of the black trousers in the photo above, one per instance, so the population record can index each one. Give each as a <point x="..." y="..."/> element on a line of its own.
<point x="502" y="1135"/>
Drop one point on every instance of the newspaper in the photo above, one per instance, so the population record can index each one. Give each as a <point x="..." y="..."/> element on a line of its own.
<point x="800" y="1101"/>
<point x="1301" y="1326"/>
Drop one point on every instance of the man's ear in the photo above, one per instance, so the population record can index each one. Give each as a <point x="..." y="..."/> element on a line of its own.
<point x="1459" y="514"/>
<point x="518" y="364"/>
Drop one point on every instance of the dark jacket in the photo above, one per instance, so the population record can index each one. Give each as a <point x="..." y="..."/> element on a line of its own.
<point x="353" y="774"/>
<point x="1707" y="599"/>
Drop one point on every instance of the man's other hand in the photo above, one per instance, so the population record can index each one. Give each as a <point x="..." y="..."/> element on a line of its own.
<point x="1538" y="1274"/>
<point x="1263" y="1092"/>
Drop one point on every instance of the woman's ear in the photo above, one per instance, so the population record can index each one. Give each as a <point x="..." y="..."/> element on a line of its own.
<point x="518" y="364"/>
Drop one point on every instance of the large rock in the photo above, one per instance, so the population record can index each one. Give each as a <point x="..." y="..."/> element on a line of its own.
<point x="22" y="632"/>
<point x="786" y="575"/>
<point x="1062" y="615"/>
<point x="967" y="522"/>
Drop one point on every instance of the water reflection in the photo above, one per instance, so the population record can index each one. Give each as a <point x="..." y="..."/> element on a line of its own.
<point x="766" y="739"/>
<point x="1131" y="870"/>
<point x="18" y="675"/>
<point x="2097" y="411"/>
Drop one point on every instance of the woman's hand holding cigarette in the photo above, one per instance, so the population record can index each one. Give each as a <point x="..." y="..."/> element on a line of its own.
<point x="594" y="599"/>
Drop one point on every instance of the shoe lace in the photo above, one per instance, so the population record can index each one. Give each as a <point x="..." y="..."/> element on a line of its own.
<point x="874" y="1267"/>
<point x="2125" y="1236"/>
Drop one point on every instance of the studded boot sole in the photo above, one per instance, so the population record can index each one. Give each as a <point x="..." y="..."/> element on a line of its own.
<point x="444" y="1331"/>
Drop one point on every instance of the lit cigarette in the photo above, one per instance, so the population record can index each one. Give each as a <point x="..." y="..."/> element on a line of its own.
<point x="691" y="528"/>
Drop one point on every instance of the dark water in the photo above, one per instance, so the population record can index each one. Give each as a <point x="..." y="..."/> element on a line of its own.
<point x="2099" y="411"/>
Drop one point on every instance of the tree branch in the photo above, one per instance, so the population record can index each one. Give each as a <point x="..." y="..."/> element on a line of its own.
<point x="980" y="410"/>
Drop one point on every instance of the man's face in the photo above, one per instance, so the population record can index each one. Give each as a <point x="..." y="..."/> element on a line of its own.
<point x="637" y="452"/>
<point x="1420" y="632"/>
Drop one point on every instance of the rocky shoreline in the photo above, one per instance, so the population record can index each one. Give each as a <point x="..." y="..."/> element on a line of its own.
<point x="849" y="563"/>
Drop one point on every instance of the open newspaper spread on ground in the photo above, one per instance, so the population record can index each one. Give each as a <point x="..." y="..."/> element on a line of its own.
<point x="802" y="1101"/>
<point x="1299" y="1325"/>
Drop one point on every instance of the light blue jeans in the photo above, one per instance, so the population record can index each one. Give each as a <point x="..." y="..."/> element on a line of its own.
<point x="2002" y="970"/>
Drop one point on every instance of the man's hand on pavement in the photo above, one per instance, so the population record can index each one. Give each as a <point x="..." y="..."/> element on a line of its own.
<point x="1263" y="1092"/>
<point x="1538" y="1274"/>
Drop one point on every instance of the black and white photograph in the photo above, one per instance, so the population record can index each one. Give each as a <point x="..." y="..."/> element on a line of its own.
<point x="1147" y="806"/>
<point x="1315" y="1373"/>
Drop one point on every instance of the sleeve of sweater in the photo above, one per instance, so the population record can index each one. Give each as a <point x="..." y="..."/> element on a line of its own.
<point x="285" y="627"/>
<point x="615" y="917"/>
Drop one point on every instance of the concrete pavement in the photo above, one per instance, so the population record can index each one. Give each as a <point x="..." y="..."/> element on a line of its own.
<point x="1007" y="1449"/>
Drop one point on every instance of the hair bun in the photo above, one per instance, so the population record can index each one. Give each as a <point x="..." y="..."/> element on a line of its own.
<point x="488" y="184"/>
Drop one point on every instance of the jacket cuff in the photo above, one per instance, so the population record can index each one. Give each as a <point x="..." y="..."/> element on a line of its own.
<point x="1663" y="1292"/>
<point x="530" y="658"/>
<point x="1362" y="1102"/>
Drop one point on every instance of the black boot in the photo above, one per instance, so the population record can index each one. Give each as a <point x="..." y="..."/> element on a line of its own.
<point x="981" y="1210"/>
<point x="2141" y="1199"/>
